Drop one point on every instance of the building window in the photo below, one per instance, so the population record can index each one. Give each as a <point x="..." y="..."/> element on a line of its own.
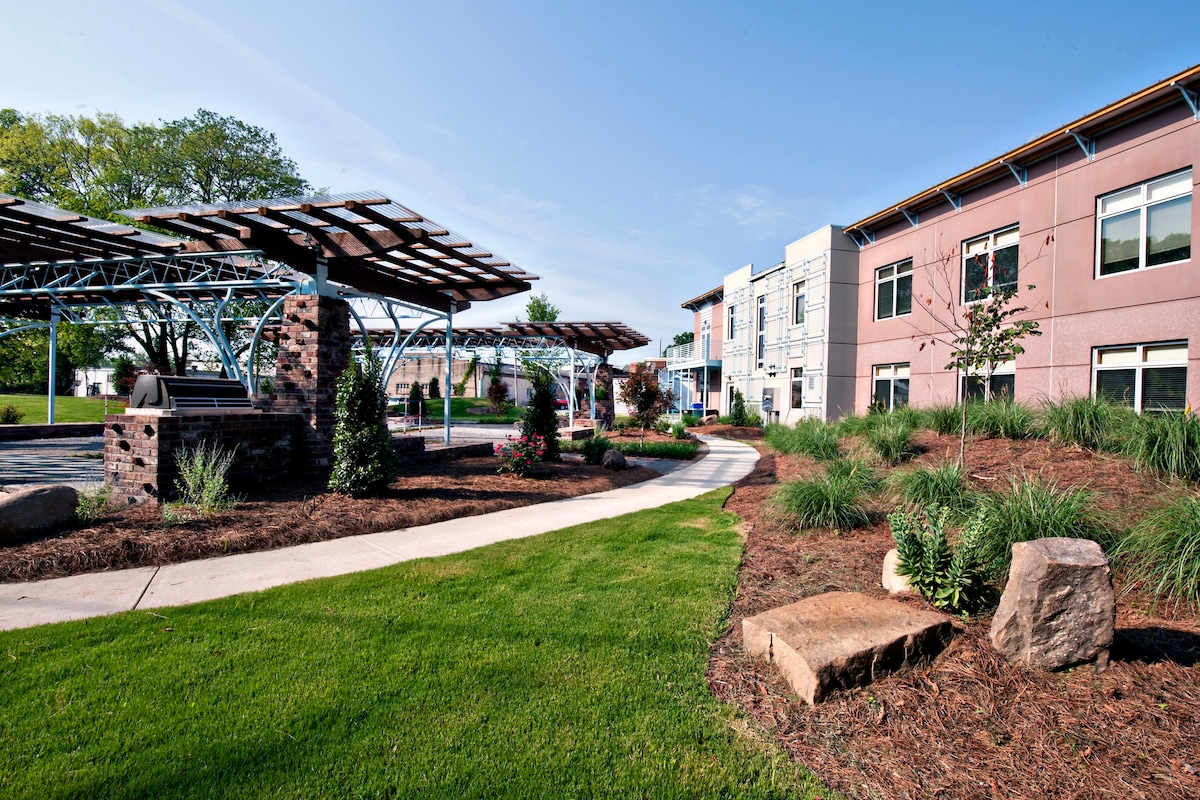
<point x="1002" y="385"/>
<point x="891" y="385"/>
<point x="798" y="303"/>
<point x="762" y="328"/>
<point x="797" y="387"/>
<point x="1145" y="226"/>
<point x="990" y="264"/>
<point x="732" y="320"/>
<point x="1146" y="377"/>
<point x="893" y="290"/>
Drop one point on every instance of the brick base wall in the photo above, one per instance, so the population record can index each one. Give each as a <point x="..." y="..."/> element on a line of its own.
<point x="139" y="449"/>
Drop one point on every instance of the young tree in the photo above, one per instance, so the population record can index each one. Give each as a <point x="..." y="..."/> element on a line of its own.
<point x="540" y="417"/>
<point x="416" y="399"/>
<point x="497" y="391"/>
<point x="737" y="411"/>
<point x="540" y="309"/>
<point x="435" y="389"/>
<point x="646" y="399"/>
<point x="364" y="462"/>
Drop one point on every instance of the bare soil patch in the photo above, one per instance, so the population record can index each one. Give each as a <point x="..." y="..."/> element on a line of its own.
<point x="970" y="725"/>
<point x="296" y="512"/>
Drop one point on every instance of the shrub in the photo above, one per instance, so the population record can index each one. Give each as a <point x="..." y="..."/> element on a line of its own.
<point x="944" y="420"/>
<point x="1033" y="509"/>
<point x="891" y="439"/>
<point x="124" y="374"/>
<point x="645" y="398"/>
<point x="1002" y="419"/>
<point x="364" y="461"/>
<point x="540" y="417"/>
<point x="943" y="486"/>
<point x="497" y="393"/>
<point x="737" y="411"/>
<point x="416" y="400"/>
<point x="661" y="425"/>
<point x="689" y="419"/>
<point x="679" y="430"/>
<point x="834" y="500"/>
<point x="682" y="451"/>
<point x="594" y="449"/>
<point x="11" y="415"/>
<point x="1163" y="552"/>
<point x="811" y="437"/>
<point x="203" y="481"/>
<point x="435" y="389"/>
<point x="519" y="456"/>
<point x="753" y="420"/>
<point x="1166" y="443"/>
<point x="91" y="504"/>
<point x="949" y="578"/>
<point x="1089" y="422"/>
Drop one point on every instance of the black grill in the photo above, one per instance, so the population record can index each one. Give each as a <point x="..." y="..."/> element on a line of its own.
<point x="176" y="393"/>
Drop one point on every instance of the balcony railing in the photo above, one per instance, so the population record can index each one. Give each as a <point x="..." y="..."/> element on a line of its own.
<point x="692" y="353"/>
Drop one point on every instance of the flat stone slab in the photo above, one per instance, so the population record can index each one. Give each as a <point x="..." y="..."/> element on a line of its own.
<point x="841" y="640"/>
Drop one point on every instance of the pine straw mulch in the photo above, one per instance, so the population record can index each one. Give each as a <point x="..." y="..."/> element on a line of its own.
<point x="970" y="725"/>
<point x="296" y="512"/>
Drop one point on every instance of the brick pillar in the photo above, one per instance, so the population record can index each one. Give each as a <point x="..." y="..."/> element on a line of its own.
<point x="314" y="349"/>
<point x="604" y="395"/>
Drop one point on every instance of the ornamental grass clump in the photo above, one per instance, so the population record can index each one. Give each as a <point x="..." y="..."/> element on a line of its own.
<point x="835" y="500"/>
<point x="943" y="486"/>
<point x="1002" y="419"/>
<point x="520" y="456"/>
<point x="810" y="437"/>
<point x="949" y="577"/>
<point x="944" y="420"/>
<point x="203" y="482"/>
<point x="891" y="439"/>
<point x="1162" y="553"/>
<point x="1166" y="443"/>
<point x="1089" y="422"/>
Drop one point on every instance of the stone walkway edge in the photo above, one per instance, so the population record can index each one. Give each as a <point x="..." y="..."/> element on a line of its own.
<point x="24" y="605"/>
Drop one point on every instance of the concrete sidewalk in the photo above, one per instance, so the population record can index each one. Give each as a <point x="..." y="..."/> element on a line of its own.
<point x="23" y="605"/>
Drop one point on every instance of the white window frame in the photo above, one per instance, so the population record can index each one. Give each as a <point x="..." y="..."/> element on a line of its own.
<point x="799" y="297"/>
<point x="894" y="274"/>
<point x="1004" y="368"/>
<point x="797" y="384"/>
<point x="891" y="373"/>
<point x="732" y="321"/>
<point x="1140" y="198"/>
<point x="760" y="323"/>
<point x="991" y="243"/>
<point x="1140" y="357"/>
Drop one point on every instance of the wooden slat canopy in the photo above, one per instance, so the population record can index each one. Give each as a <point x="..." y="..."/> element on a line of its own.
<point x="32" y="233"/>
<point x="597" y="338"/>
<point x="367" y="241"/>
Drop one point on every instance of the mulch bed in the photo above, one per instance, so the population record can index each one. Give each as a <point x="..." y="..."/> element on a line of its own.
<point x="970" y="725"/>
<point x="304" y="511"/>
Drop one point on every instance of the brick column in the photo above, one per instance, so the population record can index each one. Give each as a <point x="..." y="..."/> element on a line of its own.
<point x="605" y="406"/>
<point x="314" y="349"/>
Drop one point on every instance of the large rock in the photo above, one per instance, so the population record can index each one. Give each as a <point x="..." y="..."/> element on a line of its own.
<point x="711" y="419"/>
<point x="1058" y="609"/>
<point x="33" y="511"/>
<point x="893" y="581"/>
<point x="841" y="640"/>
<point x="614" y="460"/>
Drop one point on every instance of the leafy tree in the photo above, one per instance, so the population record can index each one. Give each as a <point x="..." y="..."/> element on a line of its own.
<point x="646" y="399"/>
<point x="124" y="375"/>
<point x="540" y="417"/>
<point x="687" y="337"/>
<point x="364" y="462"/>
<point x="416" y="399"/>
<point x="435" y="389"/>
<point x="540" y="309"/>
<point x="737" y="411"/>
<point x="497" y="391"/>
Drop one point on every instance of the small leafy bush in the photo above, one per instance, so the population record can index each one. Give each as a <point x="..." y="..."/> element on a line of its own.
<point x="944" y="420"/>
<point x="753" y="420"/>
<point x="520" y="456"/>
<point x="1033" y="509"/>
<point x="1002" y="419"/>
<point x="662" y="425"/>
<point x="834" y="500"/>
<point x="689" y="419"/>
<point x="1166" y="443"/>
<point x="810" y="437"/>
<point x="948" y="577"/>
<point x="594" y="449"/>
<point x="1089" y="422"/>
<point x="737" y="411"/>
<point x="943" y="486"/>
<point x="679" y="431"/>
<point x="681" y="451"/>
<point x="91" y="503"/>
<point x="891" y="439"/>
<point x="364" y="460"/>
<point x="11" y="415"/>
<point x="203" y="482"/>
<point x="1163" y="552"/>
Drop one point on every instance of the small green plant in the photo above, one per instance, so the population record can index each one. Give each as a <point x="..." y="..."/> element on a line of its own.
<point x="891" y="439"/>
<point x="11" y="415"/>
<point x="737" y="411"/>
<point x="364" y="460"/>
<point x="682" y="451"/>
<point x="944" y="420"/>
<point x="1162" y="552"/>
<point x="753" y="420"/>
<point x="935" y="487"/>
<point x="1033" y="509"/>
<point x="520" y="456"/>
<point x="914" y="417"/>
<point x="1166" y="443"/>
<point x="854" y="425"/>
<point x="661" y="425"/>
<point x="948" y="577"/>
<point x="856" y="471"/>
<point x="203" y="482"/>
<point x="1089" y="422"/>
<point x="688" y="419"/>
<point x="679" y="431"/>
<point x="1002" y="419"/>
<point x="416" y="400"/>
<point x="810" y="437"/>
<point x="91" y="503"/>
<point x="594" y="449"/>
<point x="834" y="500"/>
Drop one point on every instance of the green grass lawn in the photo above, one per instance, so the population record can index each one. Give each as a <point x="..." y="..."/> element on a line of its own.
<point x="459" y="406"/>
<point x="565" y="665"/>
<point x="66" y="409"/>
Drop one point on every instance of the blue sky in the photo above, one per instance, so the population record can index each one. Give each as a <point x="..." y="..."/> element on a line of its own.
<point x="629" y="153"/>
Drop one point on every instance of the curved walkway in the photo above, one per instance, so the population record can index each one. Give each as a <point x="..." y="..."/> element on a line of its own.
<point x="23" y="605"/>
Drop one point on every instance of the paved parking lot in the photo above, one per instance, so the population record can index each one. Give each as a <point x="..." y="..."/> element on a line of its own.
<point x="77" y="461"/>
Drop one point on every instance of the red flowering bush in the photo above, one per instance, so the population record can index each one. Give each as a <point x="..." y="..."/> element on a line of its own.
<point x="518" y="456"/>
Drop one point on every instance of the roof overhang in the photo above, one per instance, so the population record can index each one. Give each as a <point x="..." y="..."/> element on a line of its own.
<point x="711" y="296"/>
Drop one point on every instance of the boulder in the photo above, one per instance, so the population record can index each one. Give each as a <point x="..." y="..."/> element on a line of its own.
<point x="34" y="511"/>
<point x="893" y="581"/>
<point x="711" y="419"/>
<point x="614" y="460"/>
<point x="841" y="640"/>
<point x="1058" y="608"/>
